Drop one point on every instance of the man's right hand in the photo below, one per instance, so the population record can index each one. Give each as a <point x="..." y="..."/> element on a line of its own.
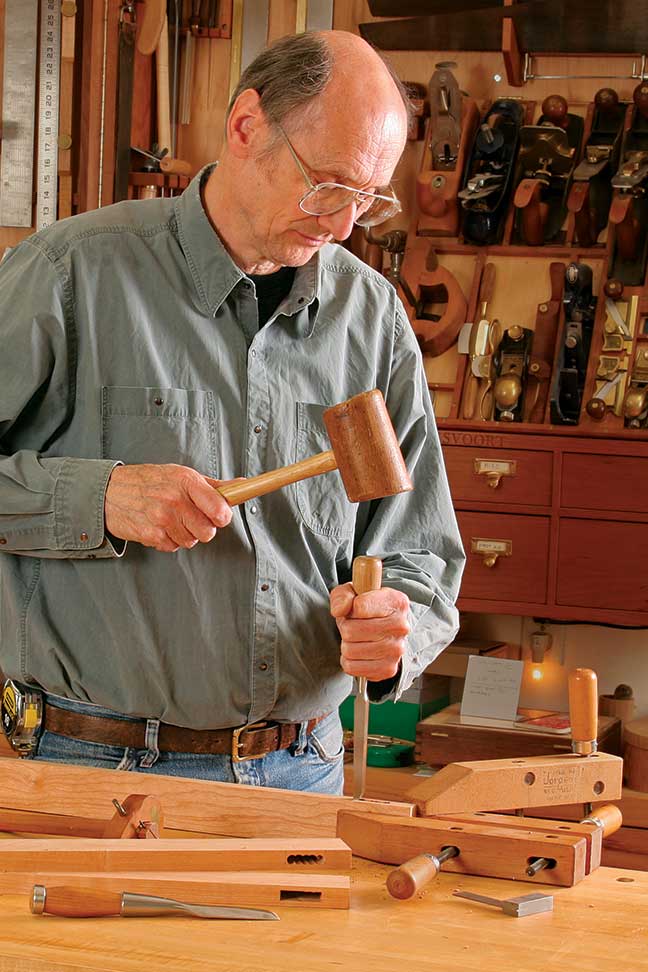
<point x="164" y="506"/>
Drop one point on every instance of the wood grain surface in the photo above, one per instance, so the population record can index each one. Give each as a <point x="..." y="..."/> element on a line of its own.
<point x="597" y="926"/>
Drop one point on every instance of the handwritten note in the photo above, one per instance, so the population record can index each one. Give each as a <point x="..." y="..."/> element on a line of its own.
<point x="492" y="688"/>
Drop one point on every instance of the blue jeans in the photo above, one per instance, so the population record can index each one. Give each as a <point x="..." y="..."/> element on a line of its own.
<point x="313" y="762"/>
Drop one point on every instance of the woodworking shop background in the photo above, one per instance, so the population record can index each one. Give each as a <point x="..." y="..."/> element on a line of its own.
<point x="617" y="655"/>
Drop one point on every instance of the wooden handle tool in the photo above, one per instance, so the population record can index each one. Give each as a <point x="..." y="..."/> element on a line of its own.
<point x="609" y="818"/>
<point x="583" y="710"/>
<point x="70" y="902"/>
<point x="365" y="451"/>
<point x="367" y="576"/>
<point x="415" y="874"/>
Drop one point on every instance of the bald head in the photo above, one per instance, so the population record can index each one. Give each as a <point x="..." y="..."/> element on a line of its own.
<point x="324" y="71"/>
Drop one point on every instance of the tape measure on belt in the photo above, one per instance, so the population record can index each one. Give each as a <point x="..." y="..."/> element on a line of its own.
<point x="21" y="715"/>
<point x="49" y="72"/>
<point x="18" y="98"/>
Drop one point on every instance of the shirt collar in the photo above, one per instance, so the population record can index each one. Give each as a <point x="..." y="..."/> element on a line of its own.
<point x="215" y="274"/>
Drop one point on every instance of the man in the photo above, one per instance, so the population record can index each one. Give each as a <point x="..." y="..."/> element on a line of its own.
<point x="154" y="349"/>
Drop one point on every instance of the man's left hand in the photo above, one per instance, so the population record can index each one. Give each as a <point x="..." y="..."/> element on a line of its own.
<point x="374" y="628"/>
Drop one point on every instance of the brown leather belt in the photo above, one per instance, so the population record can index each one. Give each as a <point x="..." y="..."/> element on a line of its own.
<point x="245" y="742"/>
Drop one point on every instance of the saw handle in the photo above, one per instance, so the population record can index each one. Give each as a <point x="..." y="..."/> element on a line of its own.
<point x="583" y="710"/>
<point x="68" y="902"/>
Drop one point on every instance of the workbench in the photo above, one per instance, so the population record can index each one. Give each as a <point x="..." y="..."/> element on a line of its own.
<point x="600" y="924"/>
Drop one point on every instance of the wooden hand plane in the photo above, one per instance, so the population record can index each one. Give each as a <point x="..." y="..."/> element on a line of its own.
<point x="489" y="174"/>
<point x="544" y="169"/>
<point x="590" y="195"/>
<point x="450" y="129"/>
<point x="629" y="209"/>
<point x="570" y="369"/>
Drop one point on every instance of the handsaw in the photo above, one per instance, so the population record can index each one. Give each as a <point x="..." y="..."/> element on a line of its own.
<point x="416" y="8"/>
<point x="556" y="26"/>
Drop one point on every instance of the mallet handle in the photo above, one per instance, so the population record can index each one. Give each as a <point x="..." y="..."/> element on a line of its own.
<point x="239" y="492"/>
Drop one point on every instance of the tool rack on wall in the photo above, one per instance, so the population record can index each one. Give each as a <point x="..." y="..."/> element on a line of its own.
<point x="542" y="397"/>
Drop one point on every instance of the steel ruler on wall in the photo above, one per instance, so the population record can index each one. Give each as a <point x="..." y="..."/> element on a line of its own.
<point x="49" y="70"/>
<point x="18" y="99"/>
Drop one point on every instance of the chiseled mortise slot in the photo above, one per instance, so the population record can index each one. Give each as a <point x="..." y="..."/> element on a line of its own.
<point x="299" y="895"/>
<point x="305" y="858"/>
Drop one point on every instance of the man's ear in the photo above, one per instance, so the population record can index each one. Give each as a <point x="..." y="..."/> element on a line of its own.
<point x="247" y="127"/>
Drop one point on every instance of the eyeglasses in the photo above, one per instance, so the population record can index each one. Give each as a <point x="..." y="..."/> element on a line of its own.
<point x="327" y="198"/>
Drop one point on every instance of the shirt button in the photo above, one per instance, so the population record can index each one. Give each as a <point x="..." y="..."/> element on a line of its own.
<point x="265" y="587"/>
<point x="3" y="539"/>
<point x="158" y="401"/>
<point x="83" y="537"/>
<point x="257" y="429"/>
<point x="253" y="353"/>
<point x="253" y="509"/>
<point x="301" y="300"/>
<point x="263" y="666"/>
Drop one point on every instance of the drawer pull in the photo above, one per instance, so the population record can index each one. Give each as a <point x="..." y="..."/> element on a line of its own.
<point x="491" y="550"/>
<point x="494" y="470"/>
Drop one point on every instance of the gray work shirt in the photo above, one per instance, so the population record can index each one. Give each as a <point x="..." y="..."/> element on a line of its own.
<point x="129" y="335"/>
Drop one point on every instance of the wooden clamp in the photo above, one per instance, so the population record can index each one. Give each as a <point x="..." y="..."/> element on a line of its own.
<point x="509" y="784"/>
<point x="492" y="851"/>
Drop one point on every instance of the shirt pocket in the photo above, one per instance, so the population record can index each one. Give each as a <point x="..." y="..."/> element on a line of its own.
<point x="322" y="500"/>
<point x="159" y="425"/>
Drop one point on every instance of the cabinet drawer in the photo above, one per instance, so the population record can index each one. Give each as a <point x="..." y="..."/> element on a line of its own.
<point x="602" y="564"/>
<point x="604" y="482"/>
<point x="519" y="573"/>
<point x="499" y="475"/>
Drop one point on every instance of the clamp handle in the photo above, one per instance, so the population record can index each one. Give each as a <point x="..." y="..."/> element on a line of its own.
<point x="583" y="710"/>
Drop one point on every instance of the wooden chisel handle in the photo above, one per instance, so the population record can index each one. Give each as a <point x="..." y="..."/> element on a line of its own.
<point x="487" y="284"/>
<point x="583" y="710"/>
<point x="67" y="902"/>
<point x="367" y="576"/>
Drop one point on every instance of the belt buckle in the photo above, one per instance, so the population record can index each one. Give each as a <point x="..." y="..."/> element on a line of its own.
<point x="236" y="741"/>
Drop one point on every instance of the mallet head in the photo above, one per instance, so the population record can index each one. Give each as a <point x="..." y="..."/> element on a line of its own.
<point x="366" y="449"/>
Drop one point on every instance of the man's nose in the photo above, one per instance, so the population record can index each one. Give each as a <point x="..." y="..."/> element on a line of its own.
<point x="339" y="224"/>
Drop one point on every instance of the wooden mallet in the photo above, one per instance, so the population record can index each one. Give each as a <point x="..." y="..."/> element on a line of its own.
<point x="364" y="449"/>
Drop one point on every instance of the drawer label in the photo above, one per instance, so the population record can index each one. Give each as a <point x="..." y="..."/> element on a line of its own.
<point x="480" y="439"/>
<point x="502" y="547"/>
<point x="503" y="467"/>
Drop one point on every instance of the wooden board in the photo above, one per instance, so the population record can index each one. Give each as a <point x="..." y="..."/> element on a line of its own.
<point x="252" y="889"/>
<point x="593" y="928"/>
<point x="508" y="784"/>
<point x="227" y="809"/>
<point x="217" y="854"/>
<point x="490" y="851"/>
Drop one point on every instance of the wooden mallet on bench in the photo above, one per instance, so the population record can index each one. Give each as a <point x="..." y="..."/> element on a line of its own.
<point x="364" y="449"/>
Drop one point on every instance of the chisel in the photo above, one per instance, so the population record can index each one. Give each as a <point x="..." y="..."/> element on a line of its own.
<point x="367" y="576"/>
<point x="69" y="902"/>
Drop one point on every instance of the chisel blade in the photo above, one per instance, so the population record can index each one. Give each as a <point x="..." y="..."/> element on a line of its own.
<point x="360" y="737"/>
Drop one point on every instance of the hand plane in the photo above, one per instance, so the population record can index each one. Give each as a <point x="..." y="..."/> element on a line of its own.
<point x="629" y="209"/>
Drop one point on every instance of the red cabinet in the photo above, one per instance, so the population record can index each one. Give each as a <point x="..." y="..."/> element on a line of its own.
<point x="555" y="524"/>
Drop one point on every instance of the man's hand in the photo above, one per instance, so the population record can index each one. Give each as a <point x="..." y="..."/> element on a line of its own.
<point x="165" y="506"/>
<point x="374" y="629"/>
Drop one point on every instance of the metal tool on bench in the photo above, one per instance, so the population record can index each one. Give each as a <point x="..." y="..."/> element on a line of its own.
<point x="71" y="902"/>
<point x="367" y="576"/>
<point x="526" y="904"/>
<point x="365" y="450"/>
